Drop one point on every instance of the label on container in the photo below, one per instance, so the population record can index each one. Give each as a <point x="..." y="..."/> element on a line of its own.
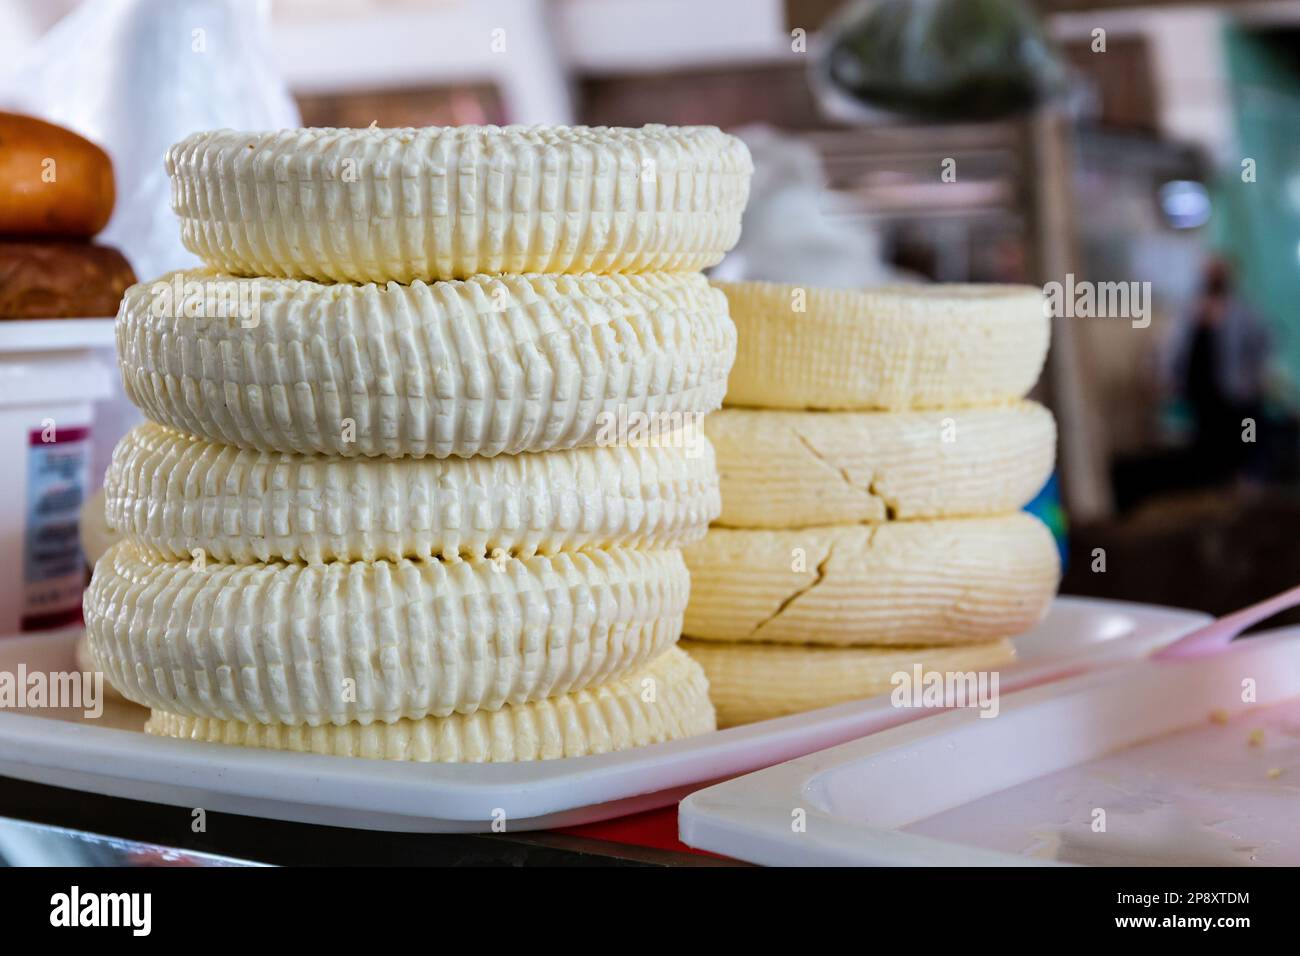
<point x="53" y="566"/>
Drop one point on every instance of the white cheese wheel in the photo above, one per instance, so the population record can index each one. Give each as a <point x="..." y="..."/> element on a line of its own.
<point x="784" y="469"/>
<point x="86" y="664"/>
<point x="667" y="700"/>
<point x="895" y="347"/>
<point x="487" y="366"/>
<point x="376" y="641"/>
<point x="749" y="682"/>
<point x="175" y="494"/>
<point x="952" y="581"/>
<point x="370" y="205"/>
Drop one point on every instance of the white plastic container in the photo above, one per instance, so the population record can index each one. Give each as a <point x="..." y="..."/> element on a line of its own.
<point x="51" y="374"/>
<point x="1148" y="763"/>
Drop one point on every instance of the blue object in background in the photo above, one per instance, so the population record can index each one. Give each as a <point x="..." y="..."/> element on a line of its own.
<point x="1046" y="507"/>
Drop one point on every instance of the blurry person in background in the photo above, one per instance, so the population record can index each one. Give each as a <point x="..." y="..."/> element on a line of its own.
<point x="1219" y="373"/>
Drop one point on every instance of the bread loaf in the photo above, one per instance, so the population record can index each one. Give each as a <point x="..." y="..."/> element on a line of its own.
<point x="52" y="181"/>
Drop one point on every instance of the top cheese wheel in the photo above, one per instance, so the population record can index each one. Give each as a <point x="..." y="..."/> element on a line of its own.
<point x="891" y="347"/>
<point x="373" y="205"/>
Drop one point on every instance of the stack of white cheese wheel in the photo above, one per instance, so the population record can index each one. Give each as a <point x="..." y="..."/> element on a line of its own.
<point x="374" y="514"/>
<point x="872" y="469"/>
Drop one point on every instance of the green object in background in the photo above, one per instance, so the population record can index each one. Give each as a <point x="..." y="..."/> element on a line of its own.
<point x="1046" y="507"/>
<point x="1256" y="222"/>
<point x="944" y="59"/>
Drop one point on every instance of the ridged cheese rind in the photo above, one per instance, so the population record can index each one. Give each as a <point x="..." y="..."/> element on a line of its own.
<point x="893" y="348"/>
<point x="86" y="664"/>
<point x="371" y="205"/>
<point x="376" y="641"/>
<point x="952" y="581"/>
<point x="749" y="682"/>
<point x="667" y="700"/>
<point x="787" y="469"/>
<point x="175" y="494"/>
<point x="487" y="366"/>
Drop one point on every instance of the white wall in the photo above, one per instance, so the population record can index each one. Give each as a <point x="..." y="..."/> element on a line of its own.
<point x="1188" y="64"/>
<point x="351" y="43"/>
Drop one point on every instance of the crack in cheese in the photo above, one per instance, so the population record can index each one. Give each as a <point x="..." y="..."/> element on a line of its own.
<point x="173" y="494"/>
<point x="953" y="581"/>
<point x="487" y="366"/>
<point x="787" y="469"/>
<point x="667" y="700"/>
<point x="376" y="641"/>
<point x="370" y="205"/>
<point x="749" y="682"/>
<point x="922" y="346"/>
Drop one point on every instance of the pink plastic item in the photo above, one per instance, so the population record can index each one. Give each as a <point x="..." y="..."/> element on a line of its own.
<point x="1217" y="635"/>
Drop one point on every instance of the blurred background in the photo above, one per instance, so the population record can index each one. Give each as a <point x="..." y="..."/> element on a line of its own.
<point x="897" y="140"/>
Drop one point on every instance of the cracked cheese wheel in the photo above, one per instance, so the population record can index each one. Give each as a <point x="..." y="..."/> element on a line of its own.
<point x="173" y="494"/>
<point x="488" y="366"/>
<point x="749" y="682"/>
<point x="372" y="205"/>
<point x="376" y="641"/>
<point x="667" y="700"/>
<point x="782" y="469"/>
<point x="954" y="581"/>
<point x="893" y="347"/>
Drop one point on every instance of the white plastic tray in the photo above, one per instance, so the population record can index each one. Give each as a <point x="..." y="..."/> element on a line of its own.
<point x="111" y="756"/>
<point x="1181" y="770"/>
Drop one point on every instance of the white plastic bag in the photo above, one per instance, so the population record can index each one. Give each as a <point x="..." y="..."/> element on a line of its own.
<point x="135" y="76"/>
<point x="790" y="233"/>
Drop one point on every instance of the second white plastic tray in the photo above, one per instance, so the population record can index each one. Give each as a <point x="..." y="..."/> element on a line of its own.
<point x="112" y="756"/>
<point x="1188" y="762"/>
